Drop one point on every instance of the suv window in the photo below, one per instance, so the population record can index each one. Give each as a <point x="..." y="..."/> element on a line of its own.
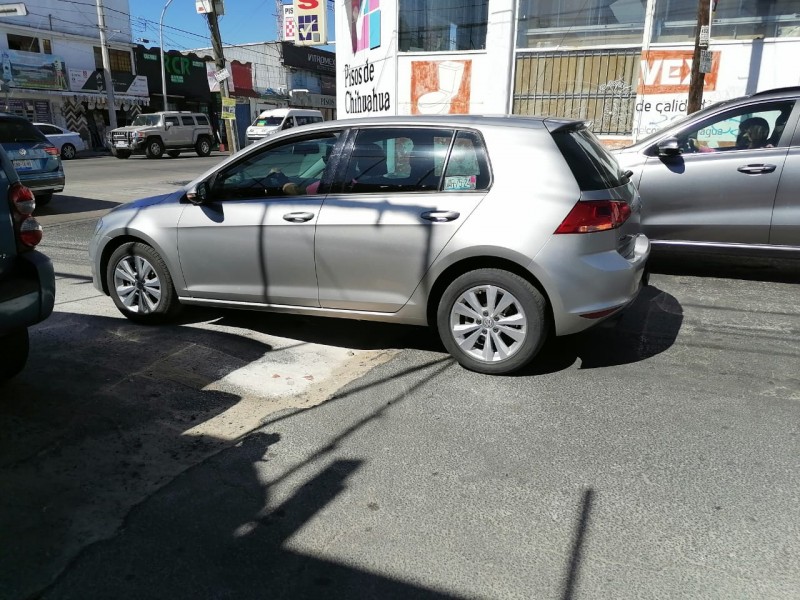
<point x="19" y="130"/>
<point x="396" y="160"/>
<point x="744" y="128"/>
<point x="187" y="121"/>
<point x="201" y="119"/>
<point x="287" y="169"/>
<point x="171" y="119"/>
<point x="591" y="164"/>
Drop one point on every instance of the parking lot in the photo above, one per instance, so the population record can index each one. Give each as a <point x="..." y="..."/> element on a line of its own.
<point x="244" y="454"/>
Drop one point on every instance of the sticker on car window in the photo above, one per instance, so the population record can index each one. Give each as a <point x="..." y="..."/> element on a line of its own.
<point x="460" y="182"/>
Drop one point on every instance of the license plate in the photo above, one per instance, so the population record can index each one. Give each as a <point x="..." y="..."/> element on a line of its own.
<point x="122" y="144"/>
<point x="23" y="165"/>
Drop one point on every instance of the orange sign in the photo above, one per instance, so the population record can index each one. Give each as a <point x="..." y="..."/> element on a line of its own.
<point x="669" y="72"/>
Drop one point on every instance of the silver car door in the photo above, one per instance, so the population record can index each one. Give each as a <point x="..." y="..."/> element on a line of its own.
<point x="785" y="229"/>
<point x="392" y="212"/>
<point x="254" y="241"/>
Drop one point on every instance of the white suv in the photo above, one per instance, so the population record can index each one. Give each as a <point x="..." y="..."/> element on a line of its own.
<point x="157" y="133"/>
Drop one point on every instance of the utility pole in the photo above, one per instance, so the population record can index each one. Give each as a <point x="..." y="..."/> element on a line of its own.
<point x="219" y="61"/>
<point x="112" y="109"/>
<point x="698" y="75"/>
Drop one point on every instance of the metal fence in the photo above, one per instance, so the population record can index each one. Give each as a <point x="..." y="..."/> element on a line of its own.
<point x="591" y="85"/>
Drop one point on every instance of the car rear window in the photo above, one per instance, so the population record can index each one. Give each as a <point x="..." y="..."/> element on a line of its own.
<point x="17" y="130"/>
<point x="592" y="165"/>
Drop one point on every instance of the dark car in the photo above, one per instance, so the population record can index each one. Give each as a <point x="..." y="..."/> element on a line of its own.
<point x="27" y="281"/>
<point x="724" y="180"/>
<point x="35" y="159"/>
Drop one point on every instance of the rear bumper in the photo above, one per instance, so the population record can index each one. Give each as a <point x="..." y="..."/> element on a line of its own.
<point x="27" y="292"/>
<point x="43" y="181"/>
<point x="585" y="292"/>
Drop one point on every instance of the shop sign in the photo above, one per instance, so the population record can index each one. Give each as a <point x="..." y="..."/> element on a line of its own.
<point x="33" y="70"/>
<point x="86" y="80"/>
<point x="228" y="108"/>
<point x="310" y="26"/>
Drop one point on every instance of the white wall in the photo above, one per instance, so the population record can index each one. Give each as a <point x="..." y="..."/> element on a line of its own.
<point x="77" y="19"/>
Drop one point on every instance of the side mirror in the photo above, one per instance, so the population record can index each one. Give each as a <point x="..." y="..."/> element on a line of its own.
<point x="200" y="194"/>
<point x="669" y="147"/>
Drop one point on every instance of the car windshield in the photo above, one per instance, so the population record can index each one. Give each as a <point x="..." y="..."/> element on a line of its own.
<point x="19" y="131"/>
<point x="146" y="120"/>
<point x="268" y="121"/>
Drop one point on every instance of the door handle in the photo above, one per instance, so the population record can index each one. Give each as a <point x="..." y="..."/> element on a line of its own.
<point x="440" y="216"/>
<point x="756" y="169"/>
<point x="298" y="217"/>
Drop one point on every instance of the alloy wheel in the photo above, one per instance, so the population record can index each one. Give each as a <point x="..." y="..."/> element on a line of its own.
<point x="488" y="323"/>
<point x="137" y="284"/>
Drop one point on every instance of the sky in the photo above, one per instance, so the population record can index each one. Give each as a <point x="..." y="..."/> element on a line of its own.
<point x="245" y="21"/>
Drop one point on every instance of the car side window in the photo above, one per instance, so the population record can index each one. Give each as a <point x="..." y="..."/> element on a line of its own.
<point x="395" y="160"/>
<point x="288" y="123"/>
<point x="49" y="130"/>
<point x="467" y="166"/>
<point x="202" y="120"/>
<point x="187" y="120"/>
<point x="290" y="168"/>
<point x="745" y="128"/>
<point x="171" y="120"/>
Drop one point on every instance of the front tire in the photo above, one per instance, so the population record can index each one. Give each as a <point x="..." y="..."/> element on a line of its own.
<point x="203" y="146"/>
<point x="492" y="321"/>
<point x="140" y="284"/>
<point x="155" y="148"/>
<point x="122" y="154"/>
<point x="14" y="348"/>
<point x="174" y="153"/>
<point x="68" y="152"/>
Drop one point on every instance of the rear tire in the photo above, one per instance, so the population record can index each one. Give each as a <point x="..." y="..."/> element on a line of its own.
<point x="43" y="199"/>
<point x="140" y="284"/>
<point x="492" y="321"/>
<point x="14" y="348"/>
<point x="155" y="148"/>
<point x="203" y="146"/>
<point x="174" y="153"/>
<point x="68" y="152"/>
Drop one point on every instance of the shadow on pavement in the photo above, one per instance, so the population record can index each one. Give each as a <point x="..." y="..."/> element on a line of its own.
<point x="62" y="204"/>
<point x="751" y="269"/>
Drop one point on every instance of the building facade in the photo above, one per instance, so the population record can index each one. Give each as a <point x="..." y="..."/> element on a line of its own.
<point x="52" y="68"/>
<point x="623" y="64"/>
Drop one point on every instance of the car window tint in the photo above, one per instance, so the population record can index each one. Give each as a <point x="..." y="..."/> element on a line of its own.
<point x="467" y="167"/>
<point x="186" y="120"/>
<point x="48" y="129"/>
<point x="18" y="130"/>
<point x="202" y="120"/>
<point x="288" y="169"/>
<point x="173" y="120"/>
<point x="592" y="165"/>
<point x="396" y="160"/>
<point x="744" y="128"/>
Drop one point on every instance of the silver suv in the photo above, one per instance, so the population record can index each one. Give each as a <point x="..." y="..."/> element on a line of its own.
<point x="497" y="231"/>
<point x="157" y="133"/>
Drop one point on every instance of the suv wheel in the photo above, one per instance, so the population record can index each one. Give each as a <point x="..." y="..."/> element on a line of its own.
<point x="174" y="153"/>
<point x="492" y="321"/>
<point x="122" y="154"/>
<point x="155" y="149"/>
<point x="14" y="348"/>
<point x="203" y="146"/>
<point x="140" y="284"/>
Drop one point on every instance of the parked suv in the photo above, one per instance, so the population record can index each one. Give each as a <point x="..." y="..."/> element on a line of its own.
<point x="27" y="282"/>
<point x="35" y="159"/>
<point x="494" y="230"/>
<point x="157" y="133"/>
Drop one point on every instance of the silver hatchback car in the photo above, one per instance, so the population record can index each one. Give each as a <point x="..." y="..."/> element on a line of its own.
<point x="495" y="230"/>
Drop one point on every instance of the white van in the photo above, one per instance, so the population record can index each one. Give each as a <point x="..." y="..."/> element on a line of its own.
<point x="278" y="119"/>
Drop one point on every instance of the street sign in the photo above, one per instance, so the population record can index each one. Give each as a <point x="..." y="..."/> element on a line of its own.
<point x="222" y="74"/>
<point x="13" y="10"/>
<point x="705" y="61"/>
<point x="705" y="35"/>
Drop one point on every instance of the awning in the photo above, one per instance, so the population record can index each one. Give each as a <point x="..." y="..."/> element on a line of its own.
<point x="102" y="99"/>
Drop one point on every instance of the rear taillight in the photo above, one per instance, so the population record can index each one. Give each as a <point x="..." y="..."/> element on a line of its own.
<point x="30" y="232"/>
<point x="51" y="150"/>
<point x="22" y="199"/>
<point x="595" y="215"/>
